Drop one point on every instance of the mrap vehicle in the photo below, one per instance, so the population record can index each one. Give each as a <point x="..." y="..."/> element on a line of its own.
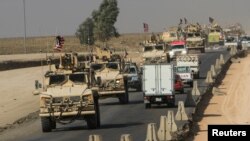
<point x="158" y="84"/>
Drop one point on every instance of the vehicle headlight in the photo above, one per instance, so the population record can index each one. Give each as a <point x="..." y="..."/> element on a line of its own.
<point x="117" y="81"/>
<point x="44" y="101"/>
<point x="88" y="98"/>
<point x="184" y="52"/>
<point x="171" y="53"/>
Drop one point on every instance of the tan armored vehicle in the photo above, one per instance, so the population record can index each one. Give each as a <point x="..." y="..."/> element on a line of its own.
<point x="112" y="81"/>
<point x="195" y="37"/>
<point x="172" y="34"/>
<point x="68" y="95"/>
<point x="215" y="35"/>
<point x="154" y="52"/>
<point x="110" y="75"/>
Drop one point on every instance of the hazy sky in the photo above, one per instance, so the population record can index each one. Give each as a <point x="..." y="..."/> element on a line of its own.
<point x="50" y="17"/>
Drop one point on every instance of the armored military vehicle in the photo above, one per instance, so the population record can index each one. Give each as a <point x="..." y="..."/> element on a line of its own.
<point x="109" y="73"/>
<point x="172" y="34"/>
<point x="69" y="94"/>
<point x="195" y="37"/>
<point x="215" y="35"/>
<point x="154" y="52"/>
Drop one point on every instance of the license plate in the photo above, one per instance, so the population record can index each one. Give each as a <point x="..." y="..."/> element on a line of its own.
<point x="158" y="99"/>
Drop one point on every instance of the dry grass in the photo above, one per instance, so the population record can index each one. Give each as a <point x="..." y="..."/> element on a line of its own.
<point x="46" y="44"/>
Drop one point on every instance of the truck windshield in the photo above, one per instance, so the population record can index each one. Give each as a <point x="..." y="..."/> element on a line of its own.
<point x="96" y="67"/>
<point x="172" y="34"/>
<point x="112" y="66"/>
<point x="231" y="39"/>
<point x="182" y="69"/>
<point x="190" y="35"/>
<point x="148" y="48"/>
<point x="177" y="47"/>
<point x="57" y="79"/>
<point x="159" y="47"/>
<point x="197" y="34"/>
<point x="77" y="78"/>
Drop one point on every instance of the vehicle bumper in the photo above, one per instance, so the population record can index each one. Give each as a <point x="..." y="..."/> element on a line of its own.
<point x="73" y="113"/>
<point x="159" y="99"/>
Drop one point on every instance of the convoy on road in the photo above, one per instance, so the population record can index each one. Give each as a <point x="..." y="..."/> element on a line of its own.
<point x="72" y="89"/>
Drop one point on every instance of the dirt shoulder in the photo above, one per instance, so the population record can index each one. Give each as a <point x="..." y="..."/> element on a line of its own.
<point x="232" y="107"/>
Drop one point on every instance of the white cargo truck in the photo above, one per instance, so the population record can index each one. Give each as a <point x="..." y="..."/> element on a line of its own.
<point x="192" y="61"/>
<point x="158" y="84"/>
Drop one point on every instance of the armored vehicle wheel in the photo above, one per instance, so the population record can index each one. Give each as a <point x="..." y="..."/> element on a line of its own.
<point x="171" y="104"/>
<point x="124" y="99"/>
<point x="203" y="50"/>
<point x="53" y="124"/>
<point x="138" y="89"/>
<point x="47" y="124"/>
<point x="98" y="112"/>
<point x="147" y="105"/>
<point x="92" y="121"/>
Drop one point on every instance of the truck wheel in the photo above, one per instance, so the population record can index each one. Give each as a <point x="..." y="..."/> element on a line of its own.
<point x="191" y="84"/>
<point x="92" y="121"/>
<point x="53" y="124"/>
<point x="46" y="124"/>
<point x="98" y="112"/>
<point x="197" y="75"/>
<point x="171" y="104"/>
<point x="203" y="50"/>
<point x="182" y="91"/>
<point x="147" y="105"/>
<point x="124" y="99"/>
<point x="138" y="89"/>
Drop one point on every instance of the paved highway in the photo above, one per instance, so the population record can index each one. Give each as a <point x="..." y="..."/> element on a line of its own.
<point x="116" y="119"/>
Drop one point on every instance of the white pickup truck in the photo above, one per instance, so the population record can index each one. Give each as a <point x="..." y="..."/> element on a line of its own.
<point x="231" y="41"/>
<point x="158" y="84"/>
<point x="190" y="60"/>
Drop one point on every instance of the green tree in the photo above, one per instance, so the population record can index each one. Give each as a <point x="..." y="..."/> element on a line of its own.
<point x="101" y="25"/>
<point x="85" y="32"/>
<point x="104" y="20"/>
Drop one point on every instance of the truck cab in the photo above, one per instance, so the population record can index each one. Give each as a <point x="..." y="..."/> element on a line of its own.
<point x="177" y="48"/>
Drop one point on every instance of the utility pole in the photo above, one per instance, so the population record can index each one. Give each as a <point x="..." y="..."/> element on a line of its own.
<point x="24" y="20"/>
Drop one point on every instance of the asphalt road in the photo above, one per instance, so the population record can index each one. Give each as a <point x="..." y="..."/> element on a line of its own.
<point x="116" y="119"/>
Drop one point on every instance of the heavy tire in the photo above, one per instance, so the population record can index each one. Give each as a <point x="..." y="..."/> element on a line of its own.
<point x="147" y="105"/>
<point x="197" y="75"/>
<point x="191" y="84"/>
<point x="182" y="91"/>
<point x="139" y="88"/>
<point x="53" y="124"/>
<point x="47" y="124"/>
<point x="98" y="112"/>
<point x="124" y="99"/>
<point x="171" y="104"/>
<point x="92" y="122"/>
<point x="203" y="50"/>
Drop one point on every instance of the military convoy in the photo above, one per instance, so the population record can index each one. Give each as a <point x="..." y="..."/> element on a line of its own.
<point x="69" y="94"/>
